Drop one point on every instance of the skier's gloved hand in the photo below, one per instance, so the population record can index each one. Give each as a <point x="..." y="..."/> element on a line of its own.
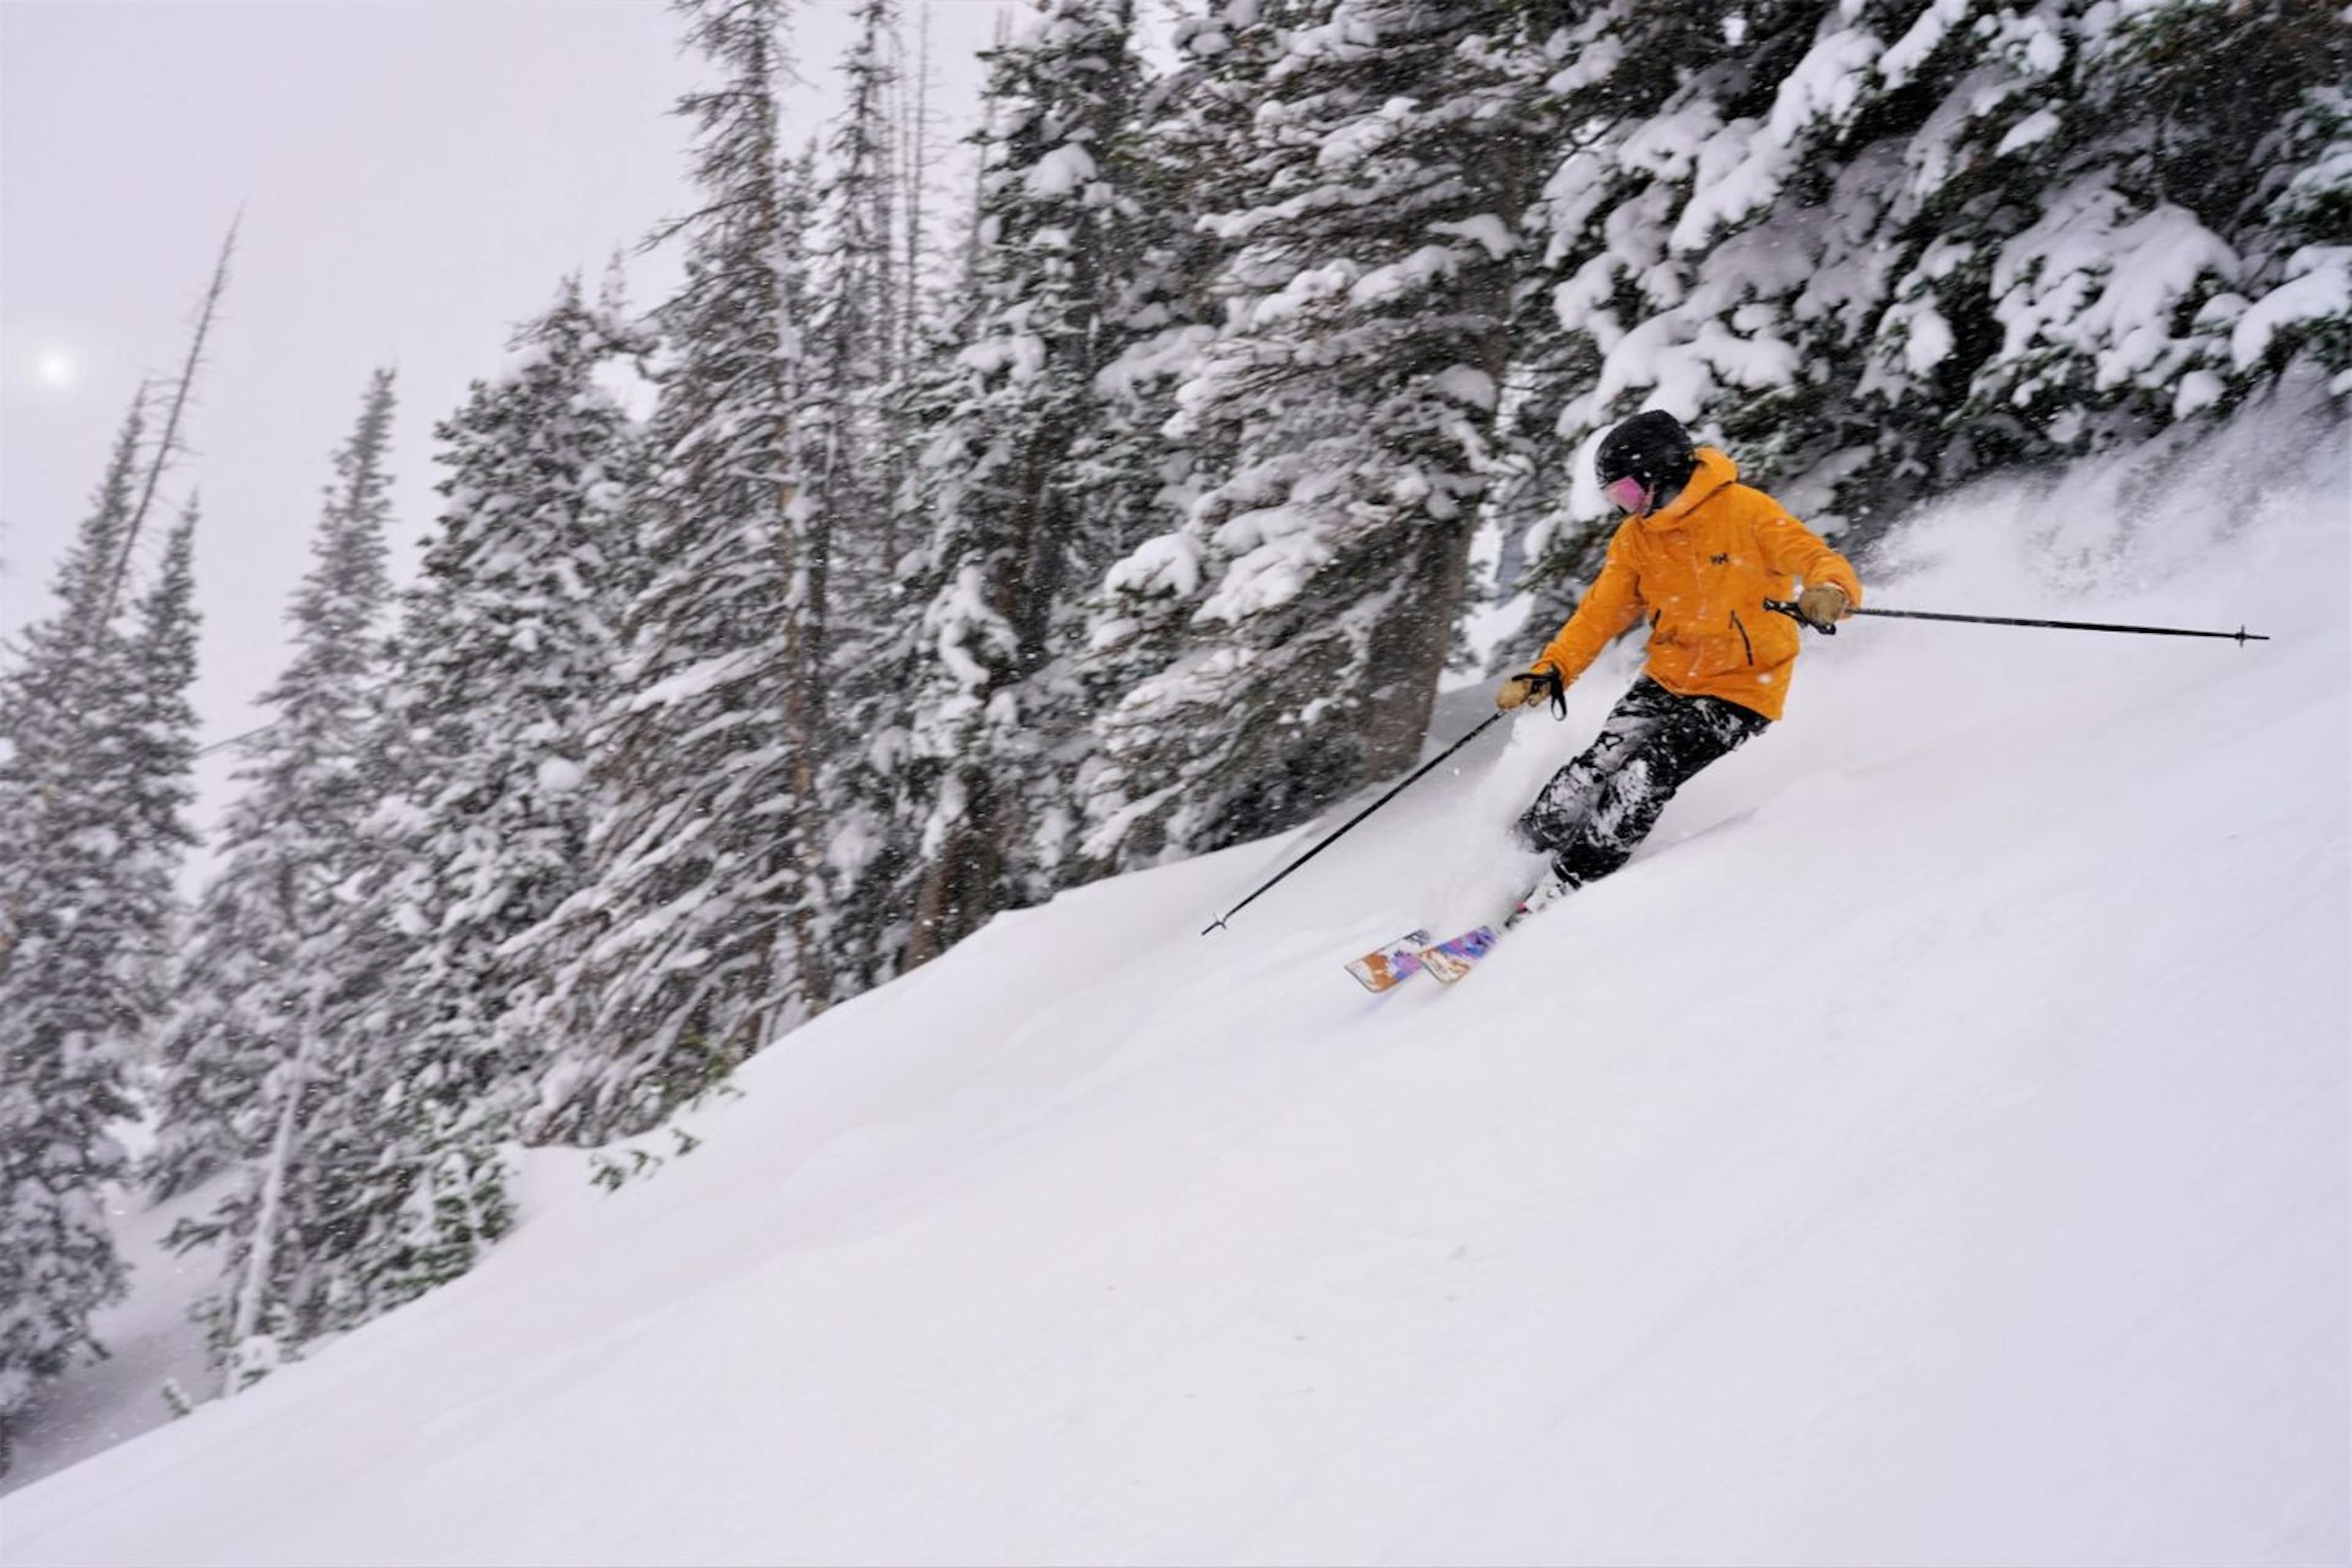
<point x="1529" y="686"/>
<point x="1824" y="606"/>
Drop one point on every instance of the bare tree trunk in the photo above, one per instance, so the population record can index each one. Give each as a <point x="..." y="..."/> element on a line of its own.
<point x="261" y="1251"/>
<point x="959" y="888"/>
<point x="1410" y="646"/>
<point x="181" y="394"/>
<point x="803" y="630"/>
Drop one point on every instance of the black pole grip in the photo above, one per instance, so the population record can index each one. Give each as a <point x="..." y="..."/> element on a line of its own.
<point x="1784" y="608"/>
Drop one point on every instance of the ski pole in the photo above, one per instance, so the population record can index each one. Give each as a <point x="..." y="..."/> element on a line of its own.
<point x="2241" y="636"/>
<point x="1218" y="924"/>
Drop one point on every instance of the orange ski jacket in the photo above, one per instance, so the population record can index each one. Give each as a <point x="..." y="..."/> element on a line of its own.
<point x="1699" y="570"/>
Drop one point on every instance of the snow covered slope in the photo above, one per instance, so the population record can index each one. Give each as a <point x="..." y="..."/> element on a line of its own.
<point x="1933" y="1149"/>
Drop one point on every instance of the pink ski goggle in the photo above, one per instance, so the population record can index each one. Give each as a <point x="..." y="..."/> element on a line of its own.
<point x="1629" y="493"/>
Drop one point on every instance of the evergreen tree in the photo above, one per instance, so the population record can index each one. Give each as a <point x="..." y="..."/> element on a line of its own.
<point x="1017" y="537"/>
<point x="852" y="334"/>
<point x="160" y="747"/>
<point x="504" y="663"/>
<point x="853" y="438"/>
<point x="477" y="830"/>
<point x="705" y="932"/>
<point x="1178" y="155"/>
<point x="2172" y="266"/>
<point x="883" y="653"/>
<point x="1881" y="249"/>
<point x="255" y="1077"/>
<point x="94" y="783"/>
<point x="42" y="704"/>
<point x="1371" y="216"/>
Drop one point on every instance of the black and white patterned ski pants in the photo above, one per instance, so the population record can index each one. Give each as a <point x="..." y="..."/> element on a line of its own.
<point x="1597" y="810"/>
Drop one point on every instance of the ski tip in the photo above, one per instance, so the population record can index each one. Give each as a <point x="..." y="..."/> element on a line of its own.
<point x="1384" y="968"/>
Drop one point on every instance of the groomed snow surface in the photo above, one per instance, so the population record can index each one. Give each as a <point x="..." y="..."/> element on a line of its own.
<point x="1932" y="1148"/>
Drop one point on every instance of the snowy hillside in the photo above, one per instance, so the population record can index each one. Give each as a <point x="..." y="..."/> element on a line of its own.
<point x="1933" y="1148"/>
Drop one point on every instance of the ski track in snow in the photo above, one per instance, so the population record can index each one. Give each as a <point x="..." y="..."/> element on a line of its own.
<point x="1932" y="1148"/>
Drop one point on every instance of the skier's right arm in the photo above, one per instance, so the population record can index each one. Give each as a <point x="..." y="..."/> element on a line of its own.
<point x="1612" y="606"/>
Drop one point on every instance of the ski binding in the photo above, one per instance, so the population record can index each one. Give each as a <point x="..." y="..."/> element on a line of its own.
<point x="1450" y="961"/>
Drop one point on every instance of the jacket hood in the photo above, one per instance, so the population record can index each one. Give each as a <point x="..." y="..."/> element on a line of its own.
<point x="1711" y="472"/>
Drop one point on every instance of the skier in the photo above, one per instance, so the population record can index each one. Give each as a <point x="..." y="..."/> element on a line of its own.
<point x="1697" y="557"/>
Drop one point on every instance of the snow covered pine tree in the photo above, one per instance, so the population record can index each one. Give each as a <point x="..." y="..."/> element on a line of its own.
<point x="499" y="671"/>
<point x="1369" y="206"/>
<point x="97" y="748"/>
<point x="853" y="434"/>
<point x="705" y="932"/>
<point x="1884" y="247"/>
<point x="986" y="787"/>
<point x="256" y="1077"/>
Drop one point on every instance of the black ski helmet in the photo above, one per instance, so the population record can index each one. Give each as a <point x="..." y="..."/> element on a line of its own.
<point x="1652" y="446"/>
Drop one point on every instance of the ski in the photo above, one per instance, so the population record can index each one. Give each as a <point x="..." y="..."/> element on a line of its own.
<point x="1392" y="964"/>
<point x="1450" y="961"/>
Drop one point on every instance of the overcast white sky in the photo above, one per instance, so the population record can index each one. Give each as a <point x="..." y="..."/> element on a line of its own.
<point x="415" y="176"/>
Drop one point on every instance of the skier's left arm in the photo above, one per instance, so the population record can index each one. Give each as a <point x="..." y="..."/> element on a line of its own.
<point x="1791" y="547"/>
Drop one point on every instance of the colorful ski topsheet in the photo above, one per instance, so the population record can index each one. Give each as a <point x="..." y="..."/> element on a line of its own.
<point x="1392" y="964"/>
<point x="1450" y="961"/>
